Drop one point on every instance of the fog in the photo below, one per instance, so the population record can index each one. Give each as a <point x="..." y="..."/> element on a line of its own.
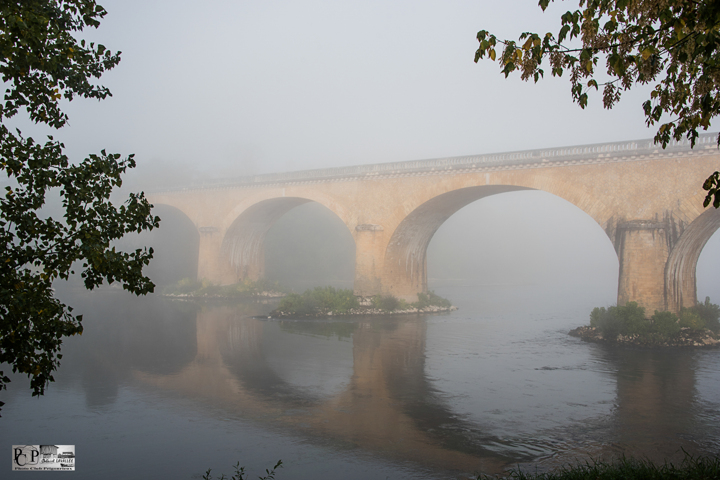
<point x="220" y="89"/>
<point x="223" y="89"/>
<point x="240" y="87"/>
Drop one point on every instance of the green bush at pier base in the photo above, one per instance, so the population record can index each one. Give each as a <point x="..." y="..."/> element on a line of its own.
<point x="390" y="303"/>
<point x="666" y="323"/>
<point x="710" y="313"/>
<point x="319" y="301"/>
<point x="630" y="319"/>
<point x="430" y="299"/>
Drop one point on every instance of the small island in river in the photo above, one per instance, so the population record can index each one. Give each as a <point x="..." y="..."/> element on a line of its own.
<point x="327" y="301"/>
<point x="317" y="302"/>
<point x="697" y="326"/>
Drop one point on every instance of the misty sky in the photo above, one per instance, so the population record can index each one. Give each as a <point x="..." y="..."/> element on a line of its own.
<point x="254" y="87"/>
<point x="223" y="88"/>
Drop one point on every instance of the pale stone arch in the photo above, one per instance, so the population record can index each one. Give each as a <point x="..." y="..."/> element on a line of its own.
<point x="179" y="238"/>
<point x="176" y="208"/>
<point x="243" y="242"/>
<point x="406" y="253"/>
<point x="576" y="193"/>
<point x="405" y="262"/>
<point x="307" y="194"/>
<point x="182" y="207"/>
<point x="680" y="272"/>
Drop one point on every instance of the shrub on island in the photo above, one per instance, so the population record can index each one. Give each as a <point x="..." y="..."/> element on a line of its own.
<point x="630" y="320"/>
<point x="390" y="303"/>
<point x="319" y="301"/>
<point x="431" y="299"/>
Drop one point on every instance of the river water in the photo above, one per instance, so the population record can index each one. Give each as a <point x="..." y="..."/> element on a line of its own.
<point x="157" y="388"/>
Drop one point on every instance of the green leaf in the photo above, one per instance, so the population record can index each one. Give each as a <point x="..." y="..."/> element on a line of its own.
<point x="43" y="60"/>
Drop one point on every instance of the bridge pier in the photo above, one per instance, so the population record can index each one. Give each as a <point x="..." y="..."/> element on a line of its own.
<point x="658" y="260"/>
<point x="369" y="249"/>
<point x="212" y="265"/>
<point x="643" y="249"/>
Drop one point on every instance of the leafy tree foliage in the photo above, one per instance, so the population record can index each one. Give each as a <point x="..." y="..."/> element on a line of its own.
<point x="628" y="319"/>
<point x="672" y="44"/>
<point x="42" y="61"/>
<point x="387" y="303"/>
<point x="665" y="323"/>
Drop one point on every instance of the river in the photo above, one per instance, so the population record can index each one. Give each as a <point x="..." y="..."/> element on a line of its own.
<point x="157" y="388"/>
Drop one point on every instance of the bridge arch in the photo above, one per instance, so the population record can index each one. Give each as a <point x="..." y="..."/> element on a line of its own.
<point x="243" y="243"/>
<point x="680" y="272"/>
<point x="176" y="244"/>
<point x="308" y="195"/>
<point x="406" y="253"/>
<point x="405" y="263"/>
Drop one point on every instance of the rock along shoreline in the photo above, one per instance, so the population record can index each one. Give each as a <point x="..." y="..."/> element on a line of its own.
<point x="687" y="338"/>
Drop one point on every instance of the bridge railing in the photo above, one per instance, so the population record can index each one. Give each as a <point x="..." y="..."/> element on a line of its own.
<point x="609" y="151"/>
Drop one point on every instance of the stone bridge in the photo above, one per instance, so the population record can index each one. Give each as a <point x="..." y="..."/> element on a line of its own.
<point x="648" y="201"/>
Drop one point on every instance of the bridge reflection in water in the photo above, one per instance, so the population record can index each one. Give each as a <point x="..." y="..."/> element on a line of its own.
<point x="363" y="383"/>
<point x="384" y="403"/>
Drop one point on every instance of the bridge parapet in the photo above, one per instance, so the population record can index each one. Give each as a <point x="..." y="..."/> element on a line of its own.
<point x="550" y="157"/>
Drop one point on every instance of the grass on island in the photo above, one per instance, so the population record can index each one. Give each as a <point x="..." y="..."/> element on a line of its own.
<point x="204" y="288"/>
<point x="324" y="300"/>
<point x="696" y="468"/>
<point x="319" y="301"/>
<point x="630" y="319"/>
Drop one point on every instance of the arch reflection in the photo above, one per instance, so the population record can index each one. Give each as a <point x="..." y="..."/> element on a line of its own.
<point x="373" y="393"/>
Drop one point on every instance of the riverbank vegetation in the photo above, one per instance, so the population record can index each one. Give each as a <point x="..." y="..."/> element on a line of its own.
<point x="322" y="301"/>
<point x="694" y="326"/>
<point x="700" y="468"/>
<point x="696" y="468"/>
<point x="240" y="473"/>
<point x="191" y="288"/>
